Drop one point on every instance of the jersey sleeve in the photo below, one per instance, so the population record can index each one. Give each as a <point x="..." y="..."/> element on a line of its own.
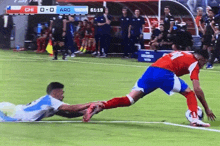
<point x="55" y="103"/>
<point x="142" y="21"/>
<point x="110" y="17"/>
<point x="202" y="19"/>
<point x="171" y="19"/>
<point x="194" y="71"/>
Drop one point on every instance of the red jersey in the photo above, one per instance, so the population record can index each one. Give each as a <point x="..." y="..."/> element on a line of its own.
<point x="180" y="63"/>
<point x="92" y="35"/>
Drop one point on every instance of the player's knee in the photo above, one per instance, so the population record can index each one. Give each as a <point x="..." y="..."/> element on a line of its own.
<point x="188" y="90"/>
<point x="130" y="99"/>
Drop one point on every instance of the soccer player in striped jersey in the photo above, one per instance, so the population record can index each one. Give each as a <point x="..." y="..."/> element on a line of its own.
<point x="164" y="74"/>
<point x="46" y="106"/>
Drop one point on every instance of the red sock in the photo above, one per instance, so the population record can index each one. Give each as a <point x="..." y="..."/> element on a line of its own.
<point x="192" y="103"/>
<point x="118" y="102"/>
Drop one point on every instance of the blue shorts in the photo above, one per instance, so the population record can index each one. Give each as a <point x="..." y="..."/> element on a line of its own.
<point x="155" y="77"/>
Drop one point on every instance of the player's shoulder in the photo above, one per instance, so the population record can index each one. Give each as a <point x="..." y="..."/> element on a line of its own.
<point x="140" y="17"/>
<point x="183" y="55"/>
<point x="109" y="16"/>
<point x="188" y="57"/>
<point x="188" y="54"/>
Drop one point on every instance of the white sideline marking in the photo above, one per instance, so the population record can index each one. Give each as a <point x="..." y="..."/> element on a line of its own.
<point x="136" y="122"/>
<point x="191" y="127"/>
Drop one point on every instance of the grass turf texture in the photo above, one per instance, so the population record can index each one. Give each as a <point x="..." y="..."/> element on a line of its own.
<point x="25" y="75"/>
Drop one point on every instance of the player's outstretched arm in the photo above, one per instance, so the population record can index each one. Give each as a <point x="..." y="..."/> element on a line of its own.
<point x="77" y="107"/>
<point x="73" y="108"/>
<point x="200" y="95"/>
<point x="71" y="115"/>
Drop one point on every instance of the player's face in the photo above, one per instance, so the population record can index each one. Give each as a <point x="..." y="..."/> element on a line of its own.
<point x="161" y="28"/>
<point x="106" y="10"/>
<point x="71" y="18"/>
<point x="124" y="11"/>
<point x="166" y="11"/>
<point x="202" y="61"/>
<point x="59" y="94"/>
<point x="210" y="14"/>
<point x="137" y="13"/>
<point x="217" y="28"/>
<point x="92" y="21"/>
<point x="84" y="23"/>
<point x="199" y="12"/>
<point x="207" y="9"/>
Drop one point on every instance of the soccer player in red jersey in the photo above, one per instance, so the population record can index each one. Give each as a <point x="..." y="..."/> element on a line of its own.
<point x="164" y="74"/>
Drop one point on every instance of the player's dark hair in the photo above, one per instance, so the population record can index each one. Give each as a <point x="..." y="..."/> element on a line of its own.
<point x="203" y="53"/>
<point x="211" y="11"/>
<point x="54" y="85"/>
<point x="168" y="7"/>
<point x="125" y="8"/>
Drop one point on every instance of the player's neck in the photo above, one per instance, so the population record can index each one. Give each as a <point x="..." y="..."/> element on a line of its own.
<point x="125" y="15"/>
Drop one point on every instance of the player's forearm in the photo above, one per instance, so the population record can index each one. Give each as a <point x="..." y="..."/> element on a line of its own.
<point x="154" y="40"/>
<point x="201" y="97"/>
<point x="76" y="108"/>
<point x="101" y="24"/>
<point x="108" y="21"/>
<point x="143" y="28"/>
<point x="129" y="29"/>
<point x="64" y="25"/>
<point x="200" y="26"/>
<point x="71" y="115"/>
<point x="171" y="26"/>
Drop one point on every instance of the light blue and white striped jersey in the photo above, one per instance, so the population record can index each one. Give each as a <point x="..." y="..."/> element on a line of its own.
<point x="43" y="107"/>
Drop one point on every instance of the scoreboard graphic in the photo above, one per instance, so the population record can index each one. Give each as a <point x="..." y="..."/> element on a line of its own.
<point x="65" y="10"/>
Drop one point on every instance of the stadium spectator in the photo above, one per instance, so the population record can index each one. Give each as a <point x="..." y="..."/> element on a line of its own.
<point x="124" y="23"/>
<point x="58" y="33"/>
<point x="85" y="40"/>
<point x="79" y="26"/>
<point x="42" y="40"/>
<point x="168" y="20"/>
<point x="215" y="53"/>
<point x="161" y="41"/>
<point x="97" y="33"/>
<point x="104" y="24"/>
<point x="135" y="31"/>
<point x="46" y="106"/>
<point x="6" y="26"/>
<point x="91" y="41"/>
<point x="217" y="17"/>
<point x="208" y="32"/>
<point x="78" y="37"/>
<point x="182" y="40"/>
<point x="198" y="18"/>
<point x="164" y="74"/>
<point x="155" y="33"/>
<point x="83" y="35"/>
<point x="203" y="20"/>
<point x="70" y="33"/>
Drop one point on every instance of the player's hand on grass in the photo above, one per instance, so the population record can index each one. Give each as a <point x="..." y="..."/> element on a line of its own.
<point x="99" y="106"/>
<point x="210" y="115"/>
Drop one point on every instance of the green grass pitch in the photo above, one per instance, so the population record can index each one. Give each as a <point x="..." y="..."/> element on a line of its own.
<point x="25" y="75"/>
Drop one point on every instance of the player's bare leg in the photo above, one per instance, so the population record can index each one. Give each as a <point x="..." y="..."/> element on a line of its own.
<point x="124" y="101"/>
<point x="192" y="105"/>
